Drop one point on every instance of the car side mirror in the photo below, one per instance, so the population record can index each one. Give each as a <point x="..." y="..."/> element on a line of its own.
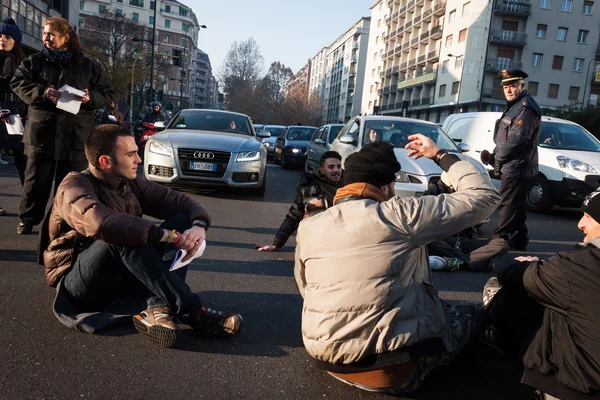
<point x="463" y="147"/>
<point x="320" y="142"/>
<point x="263" y="134"/>
<point x="160" y="126"/>
<point x="348" y="139"/>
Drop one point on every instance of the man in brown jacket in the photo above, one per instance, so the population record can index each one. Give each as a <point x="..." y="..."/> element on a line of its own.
<point x="101" y="252"/>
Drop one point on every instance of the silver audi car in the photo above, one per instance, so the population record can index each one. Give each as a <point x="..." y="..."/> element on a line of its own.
<point x="207" y="148"/>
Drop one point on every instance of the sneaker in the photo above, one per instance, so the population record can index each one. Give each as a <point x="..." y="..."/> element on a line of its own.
<point x="157" y="324"/>
<point x="492" y="286"/>
<point x="579" y="245"/>
<point x="24" y="228"/>
<point x="444" y="263"/>
<point x="2" y="212"/>
<point x="216" y="323"/>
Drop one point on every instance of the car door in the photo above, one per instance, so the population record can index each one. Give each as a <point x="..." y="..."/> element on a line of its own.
<point x="322" y="148"/>
<point x="311" y="151"/>
<point x="279" y="145"/>
<point x="352" y="128"/>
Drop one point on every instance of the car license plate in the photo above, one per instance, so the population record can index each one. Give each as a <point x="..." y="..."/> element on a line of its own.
<point x="199" y="166"/>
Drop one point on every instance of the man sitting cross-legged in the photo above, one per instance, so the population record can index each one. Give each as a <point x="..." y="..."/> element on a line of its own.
<point x="103" y="253"/>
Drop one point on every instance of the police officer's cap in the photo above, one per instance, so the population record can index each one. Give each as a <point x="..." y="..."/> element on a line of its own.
<point x="511" y="75"/>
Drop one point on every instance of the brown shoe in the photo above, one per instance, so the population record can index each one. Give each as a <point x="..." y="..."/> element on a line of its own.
<point x="158" y="324"/>
<point x="216" y="323"/>
<point x="2" y="212"/>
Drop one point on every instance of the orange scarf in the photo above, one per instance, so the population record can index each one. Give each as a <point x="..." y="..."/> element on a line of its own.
<point x="361" y="189"/>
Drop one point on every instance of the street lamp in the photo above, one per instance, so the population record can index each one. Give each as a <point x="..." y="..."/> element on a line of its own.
<point x="585" y="82"/>
<point x="462" y="69"/>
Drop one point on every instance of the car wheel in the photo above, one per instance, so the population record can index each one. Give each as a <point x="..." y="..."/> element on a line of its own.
<point x="275" y="159"/>
<point x="260" y="191"/>
<point x="538" y="197"/>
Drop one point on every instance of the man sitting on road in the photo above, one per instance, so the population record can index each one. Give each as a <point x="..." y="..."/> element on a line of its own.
<point x="545" y="313"/>
<point x="103" y="253"/>
<point x="314" y="194"/>
<point x="371" y="316"/>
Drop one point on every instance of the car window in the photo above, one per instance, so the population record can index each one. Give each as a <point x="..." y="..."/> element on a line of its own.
<point x="567" y="137"/>
<point x="300" y="133"/>
<point x="212" y="121"/>
<point x="396" y="132"/>
<point x="354" y="129"/>
<point x="274" y="130"/>
<point x="323" y="134"/>
<point x="316" y="135"/>
<point x="333" y="132"/>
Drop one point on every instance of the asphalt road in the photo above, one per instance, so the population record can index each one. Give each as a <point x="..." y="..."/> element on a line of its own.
<point x="41" y="359"/>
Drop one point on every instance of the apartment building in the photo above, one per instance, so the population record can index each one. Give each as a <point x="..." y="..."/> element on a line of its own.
<point x="177" y="37"/>
<point x="300" y="81"/>
<point x="318" y="65"/>
<point x="204" y="82"/>
<point x="374" y="61"/>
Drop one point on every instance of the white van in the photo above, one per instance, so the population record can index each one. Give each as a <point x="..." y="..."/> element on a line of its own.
<point x="569" y="157"/>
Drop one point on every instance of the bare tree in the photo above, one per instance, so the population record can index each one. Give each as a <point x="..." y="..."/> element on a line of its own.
<point x="271" y="90"/>
<point x="298" y="108"/>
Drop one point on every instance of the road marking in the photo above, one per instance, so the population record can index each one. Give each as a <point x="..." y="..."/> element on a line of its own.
<point x="273" y="166"/>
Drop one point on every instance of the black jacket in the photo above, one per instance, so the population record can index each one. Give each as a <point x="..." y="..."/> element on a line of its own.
<point x="314" y="194"/>
<point x="51" y="132"/>
<point x="155" y="116"/>
<point x="564" y="357"/>
<point x="9" y="100"/>
<point x="516" y="138"/>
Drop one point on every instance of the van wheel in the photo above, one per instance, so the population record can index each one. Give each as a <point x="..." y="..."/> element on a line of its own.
<point x="538" y="195"/>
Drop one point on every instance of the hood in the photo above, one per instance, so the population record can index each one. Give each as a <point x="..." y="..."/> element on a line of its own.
<point x="297" y="144"/>
<point x="589" y="157"/>
<point x="209" y="140"/>
<point x="271" y="139"/>
<point x="424" y="166"/>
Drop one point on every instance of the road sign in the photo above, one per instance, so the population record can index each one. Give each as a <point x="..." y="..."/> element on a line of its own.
<point x="266" y="117"/>
<point x="496" y="108"/>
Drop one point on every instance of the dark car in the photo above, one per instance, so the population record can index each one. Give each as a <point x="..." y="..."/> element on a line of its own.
<point x="275" y="131"/>
<point x="290" y="146"/>
<point x="320" y="143"/>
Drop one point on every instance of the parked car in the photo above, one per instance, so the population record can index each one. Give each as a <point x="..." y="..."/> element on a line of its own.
<point x="320" y="143"/>
<point x="568" y="157"/>
<point x="415" y="175"/>
<point x="207" y="148"/>
<point x="275" y="131"/>
<point x="290" y="146"/>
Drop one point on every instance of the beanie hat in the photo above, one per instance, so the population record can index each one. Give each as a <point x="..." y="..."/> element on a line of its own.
<point x="591" y="205"/>
<point x="375" y="164"/>
<point x="10" y="28"/>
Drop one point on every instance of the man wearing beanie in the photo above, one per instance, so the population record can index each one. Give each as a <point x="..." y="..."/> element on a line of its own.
<point x="371" y="317"/>
<point x="546" y="314"/>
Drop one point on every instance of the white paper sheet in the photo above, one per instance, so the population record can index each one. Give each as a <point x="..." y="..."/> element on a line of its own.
<point x="70" y="99"/>
<point x="16" y="125"/>
<point x="180" y="255"/>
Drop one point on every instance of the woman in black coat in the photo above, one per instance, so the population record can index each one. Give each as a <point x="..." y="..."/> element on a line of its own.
<point x="54" y="139"/>
<point x="11" y="55"/>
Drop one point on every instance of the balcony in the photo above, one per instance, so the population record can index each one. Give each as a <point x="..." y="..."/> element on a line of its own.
<point x="433" y="56"/>
<point x="493" y="93"/>
<point x="386" y="38"/>
<point x="388" y="20"/>
<point x="353" y="60"/>
<point x="498" y="64"/>
<point x="395" y="15"/>
<point x="383" y="108"/>
<point x="439" y="8"/>
<point x="520" y="8"/>
<point x="386" y="90"/>
<point x="380" y="91"/>
<point x="381" y="74"/>
<point x="408" y="25"/>
<point x="419" y="3"/>
<point x="412" y="63"/>
<point x="415" y="102"/>
<point x="398" y="49"/>
<point x="436" y="32"/>
<point x="427" y="78"/>
<point x="425" y="101"/>
<point x="417" y="21"/>
<point x="403" y="65"/>
<point x="424" y="36"/>
<point x="512" y="38"/>
<point x="421" y="60"/>
<point x="406" y="46"/>
<point x="414" y="43"/>
<point x="410" y="4"/>
<point x="402" y="10"/>
<point x="388" y="72"/>
<point x="395" y="69"/>
<point x="427" y="15"/>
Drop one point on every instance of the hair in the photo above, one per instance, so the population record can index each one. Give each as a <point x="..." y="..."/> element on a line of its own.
<point x="62" y="26"/>
<point x="18" y="52"/>
<point x="102" y="141"/>
<point x="329" y="154"/>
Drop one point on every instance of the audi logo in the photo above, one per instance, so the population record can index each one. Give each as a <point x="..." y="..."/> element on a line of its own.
<point x="204" y="154"/>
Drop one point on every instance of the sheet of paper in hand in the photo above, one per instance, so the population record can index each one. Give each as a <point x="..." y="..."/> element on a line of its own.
<point x="180" y="255"/>
<point x="16" y="125"/>
<point x="70" y="99"/>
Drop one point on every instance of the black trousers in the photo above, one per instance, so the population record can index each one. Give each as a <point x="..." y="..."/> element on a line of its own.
<point x="21" y="163"/>
<point x="513" y="211"/>
<point x="37" y="185"/>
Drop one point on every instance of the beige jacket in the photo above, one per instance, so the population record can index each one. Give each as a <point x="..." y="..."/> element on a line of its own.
<point x="362" y="268"/>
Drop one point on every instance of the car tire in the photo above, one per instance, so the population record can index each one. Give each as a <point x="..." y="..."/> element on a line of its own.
<point x="538" y="197"/>
<point x="275" y="159"/>
<point x="260" y="191"/>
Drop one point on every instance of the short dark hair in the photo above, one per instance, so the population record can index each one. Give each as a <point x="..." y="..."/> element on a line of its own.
<point x="330" y="154"/>
<point x="102" y="141"/>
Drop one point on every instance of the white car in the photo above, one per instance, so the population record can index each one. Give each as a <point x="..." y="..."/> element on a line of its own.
<point x="568" y="157"/>
<point x="415" y="176"/>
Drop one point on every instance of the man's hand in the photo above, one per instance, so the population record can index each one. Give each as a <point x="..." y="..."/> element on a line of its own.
<point x="52" y="94"/>
<point x="265" y="247"/>
<point x="85" y="98"/>
<point x="191" y="240"/>
<point x="526" y="259"/>
<point x="421" y="146"/>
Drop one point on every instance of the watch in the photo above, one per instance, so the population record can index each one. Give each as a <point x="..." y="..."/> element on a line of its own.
<point x="200" y="224"/>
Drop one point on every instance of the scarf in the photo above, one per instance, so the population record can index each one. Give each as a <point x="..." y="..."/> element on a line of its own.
<point x="60" y="57"/>
<point x="360" y="189"/>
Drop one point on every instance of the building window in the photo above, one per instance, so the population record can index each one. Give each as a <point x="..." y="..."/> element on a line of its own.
<point x="183" y="42"/>
<point x="137" y="3"/>
<point x="442" y="90"/>
<point x="120" y="1"/>
<point x="582" y="38"/>
<point x="574" y="93"/>
<point x="458" y="62"/>
<point x="101" y="8"/>
<point x="561" y="34"/>
<point x="81" y="22"/>
<point x="371" y="90"/>
<point x="537" y="59"/>
<point x="119" y="11"/>
<point x="557" y="62"/>
<point x="82" y="5"/>
<point x="540" y="31"/>
<point x="151" y="20"/>
<point x="455" y="87"/>
<point x="465" y="10"/>
<point x="370" y="104"/>
<point x="553" y="91"/>
<point x="167" y="23"/>
<point x="377" y="39"/>
<point x="136" y="17"/>
<point x="375" y="56"/>
<point x="452" y="16"/>
<point x="578" y="65"/>
<point x="445" y="66"/>
<point x="545" y="4"/>
<point x="532" y="88"/>
<point x="373" y="72"/>
<point x="587" y="7"/>
<point x="379" y="23"/>
<point x="448" y="40"/>
<point x="183" y="12"/>
<point x="462" y="35"/>
<point x="566" y="5"/>
<point x="168" y="9"/>
<point x="184" y="27"/>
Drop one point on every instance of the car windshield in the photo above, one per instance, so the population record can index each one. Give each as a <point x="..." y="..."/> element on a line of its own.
<point x="300" y="133"/>
<point x="333" y="132"/>
<point x="397" y="132"/>
<point x="567" y="137"/>
<point x="273" y="130"/>
<point x="211" y="121"/>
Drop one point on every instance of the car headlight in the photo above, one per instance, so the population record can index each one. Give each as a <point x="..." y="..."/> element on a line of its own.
<point x="248" y="156"/>
<point x="267" y="144"/>
<point x="575" y="165"/>
<point x="401" y="177"/>
<point x="296" y="151"/>
<point x="159" y="148"/>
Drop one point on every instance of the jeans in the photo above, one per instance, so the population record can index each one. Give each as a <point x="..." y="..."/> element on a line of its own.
<point x="104" y="273"/>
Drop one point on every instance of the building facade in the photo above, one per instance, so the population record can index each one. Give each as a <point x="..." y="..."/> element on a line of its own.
<point x="318" y="65"/>
<point x="374" y="60"/>
<point x="300" y="81"/>
<point x="204" y="82"/>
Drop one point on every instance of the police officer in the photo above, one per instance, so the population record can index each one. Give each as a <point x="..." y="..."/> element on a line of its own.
<point x="516" y="157"/>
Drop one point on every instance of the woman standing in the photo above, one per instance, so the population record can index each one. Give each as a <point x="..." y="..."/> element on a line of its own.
<point x="54" y="138"/>
<point x="11" y="55"/>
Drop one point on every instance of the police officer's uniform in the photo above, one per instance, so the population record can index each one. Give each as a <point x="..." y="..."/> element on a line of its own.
<point x="516" y="158"/>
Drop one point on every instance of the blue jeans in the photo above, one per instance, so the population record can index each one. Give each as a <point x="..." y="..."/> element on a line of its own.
<point x="105" y="273"/>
